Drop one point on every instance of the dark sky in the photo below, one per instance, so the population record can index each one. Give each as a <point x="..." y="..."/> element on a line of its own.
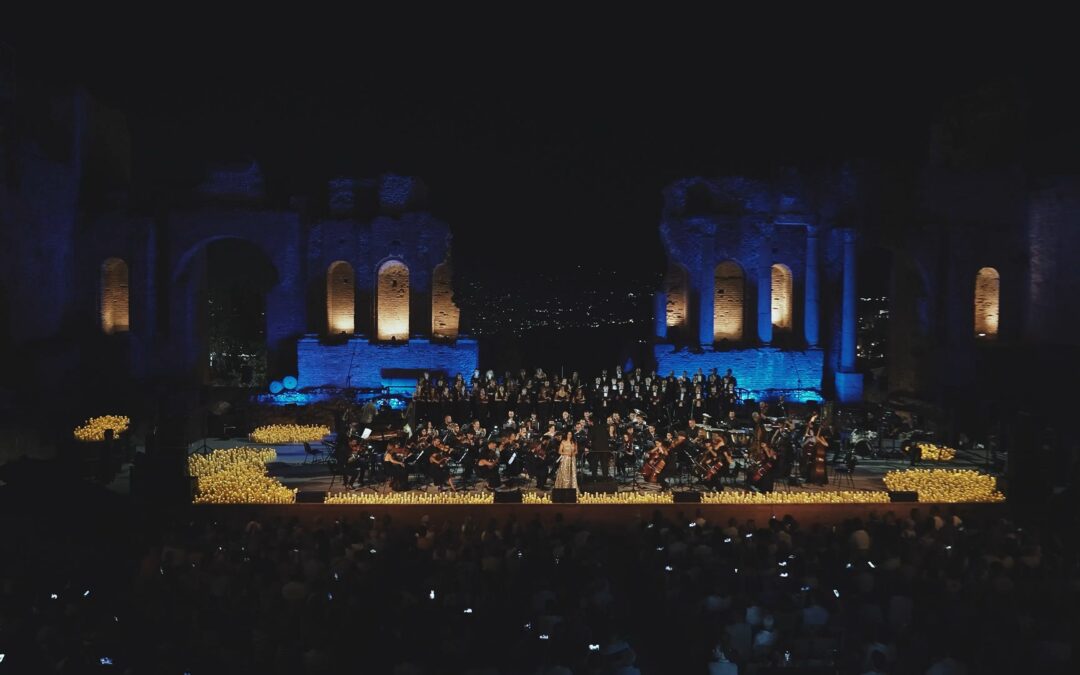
<point x="546" y="140"/>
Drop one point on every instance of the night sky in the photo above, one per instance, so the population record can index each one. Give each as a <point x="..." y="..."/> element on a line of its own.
<point x="543" y="148"/>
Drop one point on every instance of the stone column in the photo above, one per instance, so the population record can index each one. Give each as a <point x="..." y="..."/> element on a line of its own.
<point x="660" y="309"/>
<point x="706" y="285"/>
<point x="764" y="283"/>
<point x="810" y="320"/>
<point x="849" y="383"/>
<point x="847" y="336"/>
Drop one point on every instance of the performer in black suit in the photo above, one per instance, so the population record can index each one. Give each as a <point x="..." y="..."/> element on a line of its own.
<point x="600" y="448"/>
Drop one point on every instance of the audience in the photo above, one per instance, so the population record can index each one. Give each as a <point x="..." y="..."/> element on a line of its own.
<point x="927" y="593"/>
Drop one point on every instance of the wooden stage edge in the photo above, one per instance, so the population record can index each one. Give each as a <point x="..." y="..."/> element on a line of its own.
<point x="593" y="514"/>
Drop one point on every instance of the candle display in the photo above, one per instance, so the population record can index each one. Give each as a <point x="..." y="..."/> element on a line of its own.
<point x="277" y="434"/>
<point x="94" y="428"/>
<point x="238" y="476"/>
<point x="946" y="485"/>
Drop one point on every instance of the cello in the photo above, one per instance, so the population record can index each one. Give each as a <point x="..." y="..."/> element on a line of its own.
<point x="655" y="461"/>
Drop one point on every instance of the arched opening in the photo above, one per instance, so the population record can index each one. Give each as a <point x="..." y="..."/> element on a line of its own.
<point x="987" y="303"/>
<point x="230" y="279"/>
<point x="392" y="301"/>
<point x="340" y="298"/>
<point x="728" y="302"/>
<point x="445" y="315"/>
<point x="115" y="316"/>
<point x="676" y="289"/>
<point x="781" y="297"/>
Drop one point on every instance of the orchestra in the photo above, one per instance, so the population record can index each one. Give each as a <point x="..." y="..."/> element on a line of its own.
<point x="652" y="429"/>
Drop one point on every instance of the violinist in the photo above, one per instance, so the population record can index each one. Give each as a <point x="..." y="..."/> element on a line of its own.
<point x="487" y="466"/>
<point x="355" y="465"/>
<point x="470" y="454"/>
<point x="540" y="458"/>
<point x="437" y="467"/>
<point x="394" y="466"/>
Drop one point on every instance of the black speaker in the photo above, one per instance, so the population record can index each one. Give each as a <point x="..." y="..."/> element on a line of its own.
<point x="686" y="497"/>
<point x="564" y="496"/>
<point x="508" y="496"/>
<point x="903" y="496"/>
<point x="310" y="497"/>
<point x="600" y="485"/>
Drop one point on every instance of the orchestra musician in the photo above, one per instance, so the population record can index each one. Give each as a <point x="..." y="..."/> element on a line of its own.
<point x="599" y="452"/>
<point x="394" y="465"/>
<point x="355" y="466"/>
<point x="437" y="466"/>
<point x="487" y="466"/>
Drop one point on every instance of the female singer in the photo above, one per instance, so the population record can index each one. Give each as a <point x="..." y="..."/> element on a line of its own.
<point x="566" y="474"/>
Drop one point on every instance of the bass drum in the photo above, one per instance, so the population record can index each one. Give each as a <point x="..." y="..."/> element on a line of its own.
<point x="862" y="448"/>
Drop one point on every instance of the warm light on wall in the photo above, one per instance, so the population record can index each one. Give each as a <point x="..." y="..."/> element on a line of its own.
<point x="340" y="298"/>
<point x="781" y="297"/>
<point x="987" y="302"/>
<point x="728" y="302"/>
<point x="114" y="296"/>
<point x="392" y="303"/>
<point x="445" y="315"/>
<point x="675" y="286"/>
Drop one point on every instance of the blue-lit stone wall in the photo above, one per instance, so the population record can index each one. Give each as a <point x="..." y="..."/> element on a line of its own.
<point x="764" y="371"/>
<point x="360" y="363"/>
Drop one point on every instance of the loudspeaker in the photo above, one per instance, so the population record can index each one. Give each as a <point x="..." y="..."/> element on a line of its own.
<point x="564" y="496"/>
<point x="508" y="496"/>
<point x="600" y="485"/>
<point x="686" y="497"/>
<point x="310" y="497"/>
<point x="903" y="496"/>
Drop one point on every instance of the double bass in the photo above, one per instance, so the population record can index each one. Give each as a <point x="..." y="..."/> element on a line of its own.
<point x="817" y="464"/>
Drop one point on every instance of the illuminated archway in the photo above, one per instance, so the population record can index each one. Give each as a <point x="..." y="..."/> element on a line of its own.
<point x="392" y="301"/>
<point x="115" y="316"/>
<point x="340" y="298"/>
<point x="987" y="302"/>
<point x="781" y="297"/>
<point x="676" y="288"/>
<point x="445" y="315"/>
<point x="728" y="302"/>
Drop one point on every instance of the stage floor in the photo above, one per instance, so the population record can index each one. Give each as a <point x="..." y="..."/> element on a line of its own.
<point x="294" y="469"/>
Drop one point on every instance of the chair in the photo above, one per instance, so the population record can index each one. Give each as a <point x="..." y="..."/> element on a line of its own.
<point x="845" y="473"/>
<point x="335" y="472"/>
<point x="316" y="456"/>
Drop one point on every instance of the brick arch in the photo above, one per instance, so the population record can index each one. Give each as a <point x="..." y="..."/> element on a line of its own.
<point x="987" y="303"/>
<point x="729" y="291"/>
<point x="781" y="297"/>
<point x="392" y="300"/>
<point x="115" y="296"/>
<point x="187" y="311"/>
<point x="677" y="292"/>
<point x="193" y="249"/>
<point x="445" y="315"/>
<point x="340" y="298"/>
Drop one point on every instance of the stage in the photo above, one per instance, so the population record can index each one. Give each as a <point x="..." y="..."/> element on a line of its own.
<point x="862" y="489"/>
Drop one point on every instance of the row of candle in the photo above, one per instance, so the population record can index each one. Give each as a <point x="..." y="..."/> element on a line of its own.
<point x="399" y="498"/>
<point x="277" y="434"/>
<point x="94" y="428"/>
